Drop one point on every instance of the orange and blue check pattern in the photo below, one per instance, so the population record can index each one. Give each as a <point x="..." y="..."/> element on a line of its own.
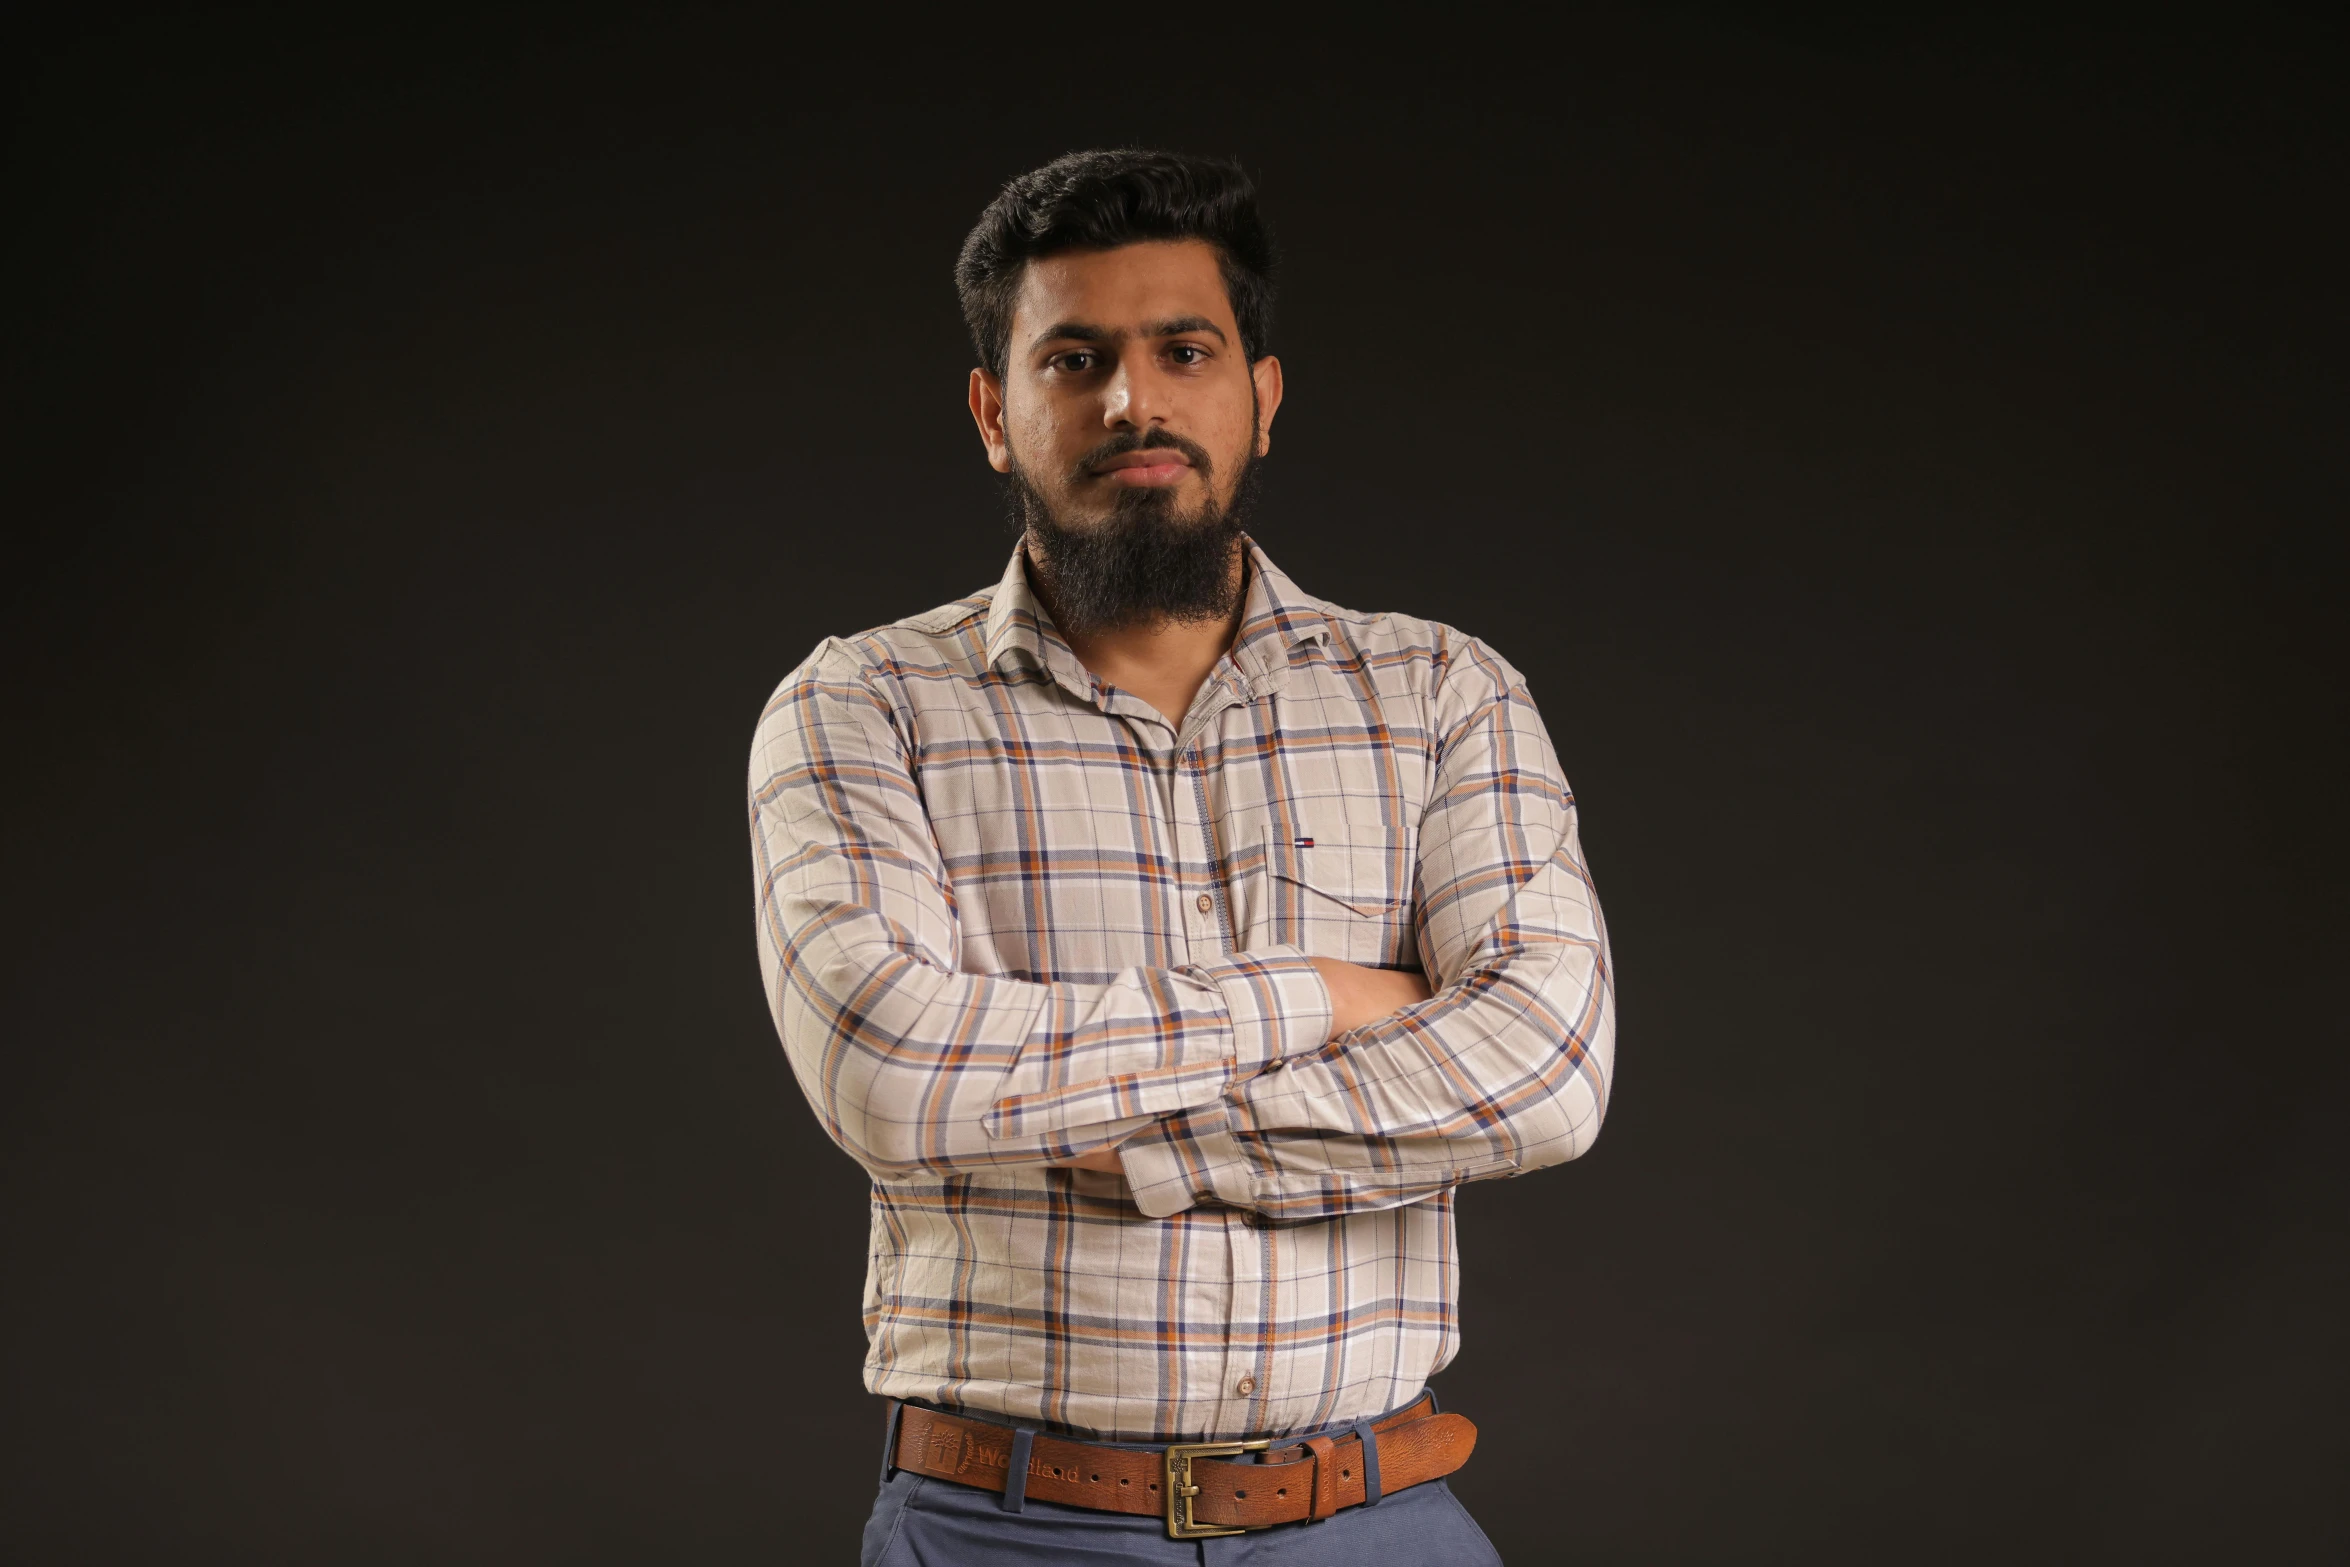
<point x="1009" y="913"/>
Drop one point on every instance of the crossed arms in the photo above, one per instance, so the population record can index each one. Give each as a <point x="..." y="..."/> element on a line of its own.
<point x="1239" y="1079"/>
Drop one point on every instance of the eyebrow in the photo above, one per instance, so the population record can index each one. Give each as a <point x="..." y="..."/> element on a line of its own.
<point x="1087" y="332"/>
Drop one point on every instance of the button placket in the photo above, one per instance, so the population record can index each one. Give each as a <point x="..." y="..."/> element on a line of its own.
<point x="1194" y="930"/>
<point x="1245" y="1366"/>
<point x="1205" y="917"/>
<point x="1210" y="904"/>
<point x="1195" y="906"/>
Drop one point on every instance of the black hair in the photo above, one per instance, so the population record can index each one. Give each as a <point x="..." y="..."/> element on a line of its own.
<point x="1097" y="200"/>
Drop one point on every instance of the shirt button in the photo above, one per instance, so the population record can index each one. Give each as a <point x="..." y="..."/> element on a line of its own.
<point x="1205" y="903"/>
<point x="1245" y="1386"/>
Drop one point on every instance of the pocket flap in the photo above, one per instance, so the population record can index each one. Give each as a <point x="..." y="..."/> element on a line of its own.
<point x="1369" y="875"/>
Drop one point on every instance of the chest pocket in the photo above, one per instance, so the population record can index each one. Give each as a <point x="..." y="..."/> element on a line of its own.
<point x="1341" y="896"/>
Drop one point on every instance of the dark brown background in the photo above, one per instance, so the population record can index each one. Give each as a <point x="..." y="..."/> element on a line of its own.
<point x="1906" y="460"/>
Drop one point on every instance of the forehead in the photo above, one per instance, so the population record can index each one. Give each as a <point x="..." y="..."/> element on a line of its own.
<point x="1156" y="280"/>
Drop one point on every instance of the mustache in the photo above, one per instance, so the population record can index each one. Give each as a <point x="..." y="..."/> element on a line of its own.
<point x="1128" y="441"/>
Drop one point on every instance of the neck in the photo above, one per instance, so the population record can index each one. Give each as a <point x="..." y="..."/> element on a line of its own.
<point x="1162" y="661"/>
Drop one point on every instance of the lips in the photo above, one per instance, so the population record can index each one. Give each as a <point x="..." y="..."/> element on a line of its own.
<point x="1152" y="465"/>
<point x="1148" y="457"/>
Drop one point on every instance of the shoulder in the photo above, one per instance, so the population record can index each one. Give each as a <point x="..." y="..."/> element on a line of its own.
<point x="1440" y="661"/>
<point x="874" y="666"/>
<point x="951" y="639"/>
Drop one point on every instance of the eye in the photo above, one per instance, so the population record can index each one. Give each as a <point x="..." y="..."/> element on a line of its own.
<point x="1077" y="362"/>
<point x="1189" y="354"/>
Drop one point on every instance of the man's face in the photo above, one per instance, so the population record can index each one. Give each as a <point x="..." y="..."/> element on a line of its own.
<point x="1127" y="417"/>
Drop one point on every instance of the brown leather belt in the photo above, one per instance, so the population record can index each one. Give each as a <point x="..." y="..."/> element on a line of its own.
<point x="1190" y="1484"/>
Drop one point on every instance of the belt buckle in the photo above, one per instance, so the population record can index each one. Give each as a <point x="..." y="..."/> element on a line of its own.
<point x="1179" y="1490"/>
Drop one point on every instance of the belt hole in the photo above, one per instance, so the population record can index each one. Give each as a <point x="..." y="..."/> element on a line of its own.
<point x="1284" y="1491"/>
<point x="1122" y="1480"/>
<point x="1240" y="1496"/>
<point x="1097" y="1479"/>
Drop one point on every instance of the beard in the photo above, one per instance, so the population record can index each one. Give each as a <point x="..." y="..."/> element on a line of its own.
<point x="1149" y="559"/>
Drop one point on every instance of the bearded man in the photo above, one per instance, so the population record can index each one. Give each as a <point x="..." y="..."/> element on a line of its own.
<point x="1168" y="944"/>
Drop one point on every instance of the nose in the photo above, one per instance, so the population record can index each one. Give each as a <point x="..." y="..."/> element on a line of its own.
<point x="1133" y="398"/>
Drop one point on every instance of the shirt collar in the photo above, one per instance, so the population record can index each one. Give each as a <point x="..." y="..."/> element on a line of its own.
<point x="1275" y="617"/>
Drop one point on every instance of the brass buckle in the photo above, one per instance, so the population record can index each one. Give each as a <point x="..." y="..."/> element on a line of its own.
<point x="1179" y="1490"/>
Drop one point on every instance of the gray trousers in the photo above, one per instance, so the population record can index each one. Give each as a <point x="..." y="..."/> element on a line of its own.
<point x="920" y="1522"/>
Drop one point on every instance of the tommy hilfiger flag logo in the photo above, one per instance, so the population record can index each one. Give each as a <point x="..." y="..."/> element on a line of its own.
<point x="1303" y="843"/>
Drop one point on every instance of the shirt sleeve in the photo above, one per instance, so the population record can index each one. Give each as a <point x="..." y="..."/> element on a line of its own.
<point x="1504" y="1069"/>
<point x="913" y="1066"/>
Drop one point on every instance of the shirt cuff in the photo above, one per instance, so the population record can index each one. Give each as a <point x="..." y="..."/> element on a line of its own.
<point x="1188" y="1159"/>
<point x="1277" y="1002"/>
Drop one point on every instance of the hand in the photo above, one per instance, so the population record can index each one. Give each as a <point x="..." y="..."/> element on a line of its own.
<point x="1359" y="995"/>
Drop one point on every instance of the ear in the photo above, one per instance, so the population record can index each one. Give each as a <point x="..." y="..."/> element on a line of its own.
<point x="987" y="411"/>
<point x="1266" y="373"/>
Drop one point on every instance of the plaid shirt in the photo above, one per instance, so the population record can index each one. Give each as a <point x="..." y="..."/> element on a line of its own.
<point x="1008" y="913"/>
